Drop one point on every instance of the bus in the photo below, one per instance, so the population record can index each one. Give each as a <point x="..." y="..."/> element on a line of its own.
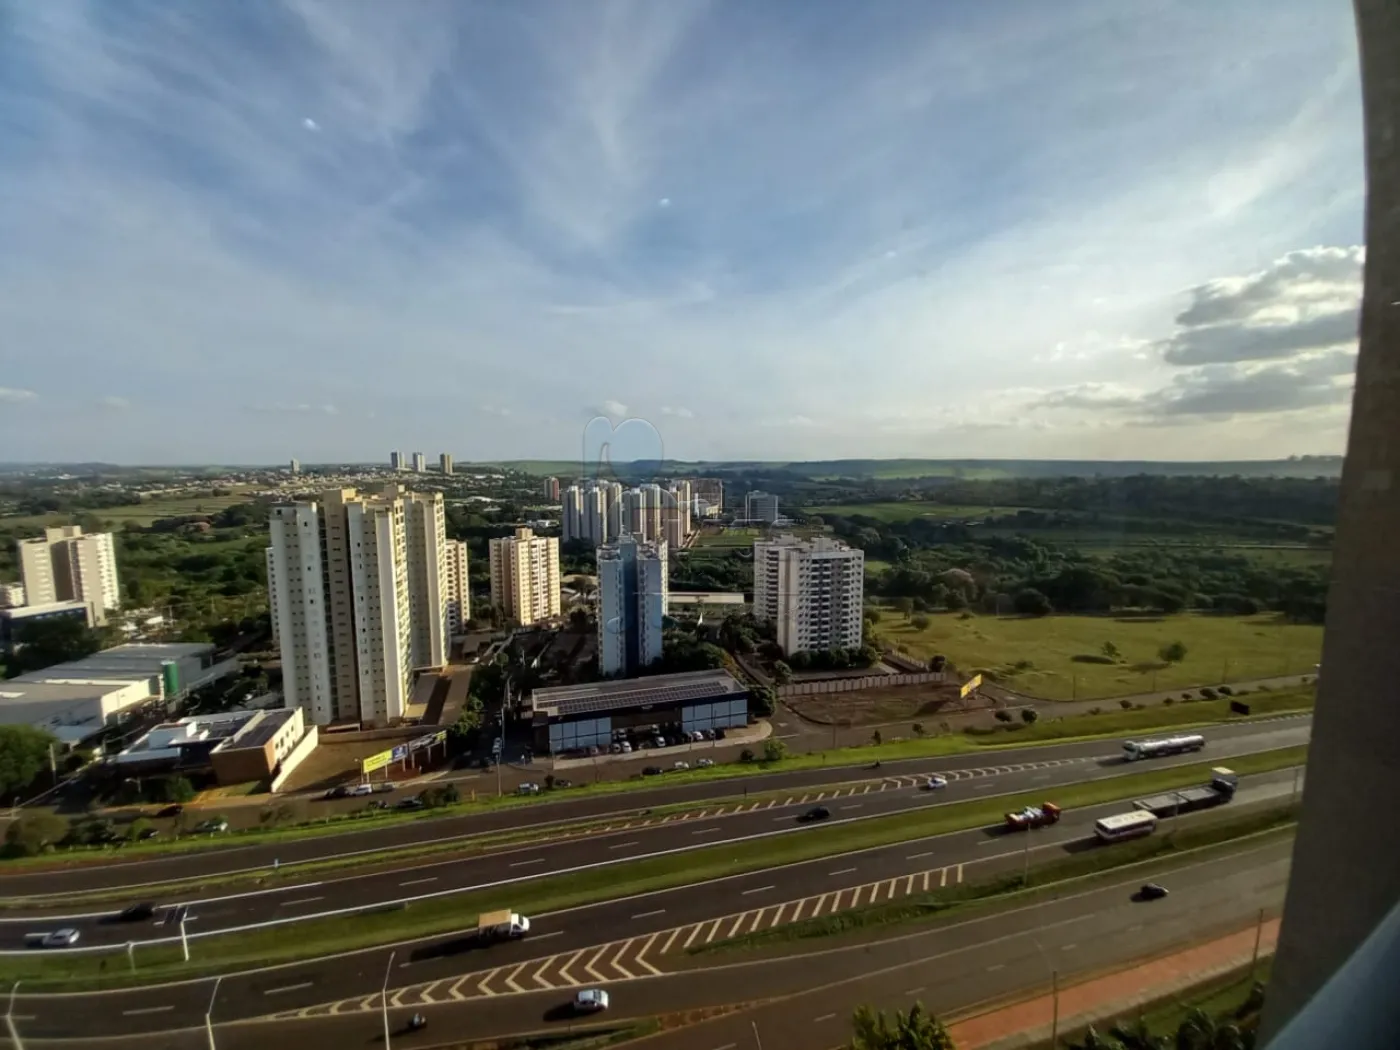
<point x="1122" y="826"/>
<point x="1167" y="745"/>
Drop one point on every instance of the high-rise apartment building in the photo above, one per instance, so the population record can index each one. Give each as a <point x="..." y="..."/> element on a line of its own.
<point x="584" y="514"/>
<point x="67" y="565"/>
<point x="294" y="467"/>
<point x="445" y="464"/>
<point x="675" y="514"/>
<point x="551" y="489"/>
<point x="420" y="463"/>
<point x="632" y="602"/>
<point x="811" y="590"/>
<point x="459" y="598"/>
<point x="612" y="507"/>
<point x="525" y="576"/>
<point x="396" y="461"/>
<point x="358" y="589"/>
<point x="711" y="490"/>
<point x="761" y="506"/>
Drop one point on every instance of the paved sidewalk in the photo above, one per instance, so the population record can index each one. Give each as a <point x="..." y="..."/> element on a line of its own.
<point x="1111" y="996"/>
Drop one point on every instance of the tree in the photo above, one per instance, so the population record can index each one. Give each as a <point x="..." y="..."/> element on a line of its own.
<point x="937" y="662"/>
<point x="1031" y="602"/>
<point x="1111" y="651"/>
<point x="35" y="832"/>
<point x="919" y="729"/>
<point x="24" y="751"/>
<point x="904" y="605"/>
<point x="919" y="621"/>
<point x="1173" y="653"/>
<point x="746" y="756"/>
<point x="956" y="601"/>
<point x="876" y="738"/>
<point x="44" y="642"/>
<point x="915" y="1030"/>
<point x="774" y="750"/>
<point x="1003" y="715"/>
<point x="1029" y="715"/>
<point x="782" y="673"/>
<point x="760" y="701"/>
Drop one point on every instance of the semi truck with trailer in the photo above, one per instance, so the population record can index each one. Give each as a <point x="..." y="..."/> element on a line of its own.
<point x="1221" y="789"/>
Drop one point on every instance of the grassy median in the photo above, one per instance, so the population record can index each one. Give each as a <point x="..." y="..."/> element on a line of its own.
<point x="1111" y="722"/>
<point x="455" y="912"/>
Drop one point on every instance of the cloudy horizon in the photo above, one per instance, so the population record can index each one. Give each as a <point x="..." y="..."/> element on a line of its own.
<point x="293" y="228"/>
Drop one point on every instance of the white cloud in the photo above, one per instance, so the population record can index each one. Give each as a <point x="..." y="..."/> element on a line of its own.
<point x="309" y="124"/>
<point x="679" y="413"/>
<point x="114" y="403"/>
<point x="12" y="395"/>
<point x="495" y="410"/>
<point x="613" y="408"/>
<point x="299" y="408"/>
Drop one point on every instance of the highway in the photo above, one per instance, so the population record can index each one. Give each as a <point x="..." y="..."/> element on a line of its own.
<point x="620" y="939"/>
<point x="627" y="842"/>
<point x="1223" y="741"/>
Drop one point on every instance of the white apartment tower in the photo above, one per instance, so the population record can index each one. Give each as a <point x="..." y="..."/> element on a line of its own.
<point x="67" y="565"/>
<point x="811" y="590"/>
<point x="459" y="598"/>
<point x="445" y="463"/>
<point x="525" y="576"/>
<point x="676" y="514"/>
<point x="585" y="514"/>
<point x="420" y="464"/>
<point x="632" y="602"/>
<point x="396" y="461"/>
<point x="358" y="589"/>
<point x="761" y="506"/>
<point x="551" y="489"/>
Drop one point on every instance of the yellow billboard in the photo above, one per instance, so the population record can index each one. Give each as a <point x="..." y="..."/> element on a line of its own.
<point x="969" y="686"/>
<point x="373" y="762"/>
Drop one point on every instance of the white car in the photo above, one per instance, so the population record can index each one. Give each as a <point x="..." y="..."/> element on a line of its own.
<point x="528" y="789"/>
<point x="591" y="1001"/>
<point x="680" y="765"/>
<point x="64" y="938"/>
<point x="705" y="763"/>
<point x="935" y="782"/>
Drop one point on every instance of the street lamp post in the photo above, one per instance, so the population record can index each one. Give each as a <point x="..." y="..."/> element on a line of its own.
<point x="209" y="1013"/>
<point x="10" y="1019"/>
<point x="384" y="997"/>
<point x="757" y="1041"/>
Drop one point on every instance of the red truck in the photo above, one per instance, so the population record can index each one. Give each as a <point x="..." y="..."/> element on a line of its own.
<point x="1040" y="816"/>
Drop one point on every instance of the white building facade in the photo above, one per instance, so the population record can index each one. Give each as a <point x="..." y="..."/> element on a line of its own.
<point x="459" y="598"/>
<point x="67" y="565"/>
<point x="525" y="576"/>
<point x="811" y="590"/>
<point x="761" y="506"/>
<point x="632" y="602"/>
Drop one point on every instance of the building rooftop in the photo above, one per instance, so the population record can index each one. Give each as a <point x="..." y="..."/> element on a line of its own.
<point x="665" y="690"/>
<point x="259" y="729"/>
<point x="131" y="662"/>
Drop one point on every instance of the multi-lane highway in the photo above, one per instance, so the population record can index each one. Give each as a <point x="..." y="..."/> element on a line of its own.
<point x="802" y="1002"/>
<point x="635" y="938"/>
<point x="1224" y="740"/>
<point x="626" y="842"/>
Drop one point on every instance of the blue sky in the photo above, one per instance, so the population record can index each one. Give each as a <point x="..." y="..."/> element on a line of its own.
<point x="774" y="229"/>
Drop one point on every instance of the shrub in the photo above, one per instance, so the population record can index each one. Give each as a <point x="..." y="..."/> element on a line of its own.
<point x="920" y="622"/>
<point x="1225" y="690"/>
<point x="937" y="662"/>
<point x="1092" y="658"/>
<point x="774" y="750"/>
<point x="1208" y="693"/>
<point x="746" y="755"/>
<point x="1003" y="716"/>
<point x="1029" y="715"/>
<point x="1169" y="701"/>
<point x="1125" y="704"/>
<point x="35" y="833"/>
<point x="876" y="738"/>
<point x="1186" y="696"/>
<point x="919" y="729"/>
<point x="1096" y="710"/>
<point x="1173" y="653"/>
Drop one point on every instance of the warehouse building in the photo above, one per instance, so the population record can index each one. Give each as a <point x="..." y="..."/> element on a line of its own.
<point x="576" y="717"/>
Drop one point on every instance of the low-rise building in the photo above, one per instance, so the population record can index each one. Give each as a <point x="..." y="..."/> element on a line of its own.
<point x="11" y="595"/>
<point x="12" y="621"/>
<point x="238" y="746"/>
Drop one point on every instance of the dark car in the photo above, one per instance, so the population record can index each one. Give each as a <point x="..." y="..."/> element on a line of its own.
<point x="651" y="771"/>
<point x="338" y="792"/>
<point x="172" y="810"/>
<point x="1151" y="891"/>
<point x="815" y="813"/>
<point x="137" y="912"/>
<point x="411" y="803"/>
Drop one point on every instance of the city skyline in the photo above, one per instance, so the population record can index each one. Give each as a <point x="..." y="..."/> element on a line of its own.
<point x="1158" y="257"/>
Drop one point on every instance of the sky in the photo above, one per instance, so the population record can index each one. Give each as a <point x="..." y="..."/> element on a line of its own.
<point x="769" y="229"/>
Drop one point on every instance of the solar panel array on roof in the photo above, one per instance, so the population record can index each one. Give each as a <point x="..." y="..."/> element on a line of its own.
<point x="663" y="690"/>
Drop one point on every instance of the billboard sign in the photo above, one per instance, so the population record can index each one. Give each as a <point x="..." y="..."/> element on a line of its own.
<point x="971" y="685"/>
<point x="373" y="762"/>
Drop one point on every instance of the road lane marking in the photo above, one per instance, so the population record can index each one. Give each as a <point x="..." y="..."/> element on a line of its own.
<point x="821" y="901"/>
<point x="853" y="805"/>
<point x="727" y="1046"/>
<point x="589" y="964"/>
<point x="532" y="860"/>
<point x="916" y="856"/>
<point x="545" y="936"/>
<point x="713" y="930"/>
<point x="705" y="831"/>
<point x="649" y="914"/>
<point x="823" y="1017"/>
<point x="758" y="889"/>
<point x="778" y="917"/>
<point x="147" y="1010"/>
<point x="856" y="899"/>
<point x="942" y="878"/>
<point x="797" y="913"/>
<point x="641" y="955"/>
<point x="909" y="886"/>
<point x="737" y="923"/>
<point x="418" y="882"/>
<point x="693" y="934"/>
<point x="564" y="974"/>
<point x="624" y="845"/>
<point x="996" y="966"/>
<point x="926" y="875"/>
<point x="674" y="934"/>
<point x="758" y="918"/>
<point x="300" y="900"/>
<point x="617" y="961"/>
<point x="1068" y="947"/>
<point x="843" y="871"/>
<point x="510" y="978"/>
<point x="960" y="868"/>
<point x="915" y="991"/>
<point x="288" y="988"/>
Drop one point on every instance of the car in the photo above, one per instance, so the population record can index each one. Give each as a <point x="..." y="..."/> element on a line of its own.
<point x="410" y="803"/>
<point x="362" y="789"/>
<point x="528" y="789"/>
<point x="626" y="748"/>
<point x="376" y="803"/>
<point x="212" y="826"/>
<point x="64" y="938"/>
<point x="383" y="787"/>
<point x="935" y="782"/>
<point x="137" y="912"/>
<point x="1151" y="891"/>
<point x="679" y="765"/>
<point x="563" y="782"/>
<point x="815" y="813"/>
<point x="591" y="1000"/>
<point x="172" y="810"/>
<point x="704" y="763"/>
<point x="651" y="771"/>
<point x="337" y="792"/>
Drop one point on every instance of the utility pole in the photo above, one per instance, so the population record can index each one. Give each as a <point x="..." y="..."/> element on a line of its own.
<point x="1054" y="1008"/>
<point x="209" y="1013"/>
<point x="384" y="996"/>
<point x="1258" y="936"/>
<point x="10" y="1019"/>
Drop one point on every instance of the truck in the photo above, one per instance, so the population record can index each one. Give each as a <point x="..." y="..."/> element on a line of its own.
<point x="1221" y="789"/>
<point x="503" y="925"/>
<point x="1040" y="816"/>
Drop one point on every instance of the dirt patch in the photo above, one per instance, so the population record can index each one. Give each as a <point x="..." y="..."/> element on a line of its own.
<point x="875" y="706"/>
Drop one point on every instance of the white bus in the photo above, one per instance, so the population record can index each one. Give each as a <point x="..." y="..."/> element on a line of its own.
<point x="1167" y="745"/>
<point x="1125" y="826"/>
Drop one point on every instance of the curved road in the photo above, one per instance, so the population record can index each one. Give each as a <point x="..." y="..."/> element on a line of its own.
<point x="1264" y="734"/>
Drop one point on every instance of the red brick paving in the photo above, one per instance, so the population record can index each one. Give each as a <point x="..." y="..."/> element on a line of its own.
<point x="1112" y="995"/>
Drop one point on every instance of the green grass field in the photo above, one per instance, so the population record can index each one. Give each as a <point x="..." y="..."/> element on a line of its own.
<point x="1038" y="656"/>
<point x="907" y="511"/>
<point x="726" y="538"/>
<point x="142" y="514"/>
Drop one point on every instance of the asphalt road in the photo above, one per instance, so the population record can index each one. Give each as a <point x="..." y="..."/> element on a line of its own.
<point x="736" y="823"/>
<point x="1223" y="740"/>
<point x="605" y="936"/>
<point x="809" y="996"/>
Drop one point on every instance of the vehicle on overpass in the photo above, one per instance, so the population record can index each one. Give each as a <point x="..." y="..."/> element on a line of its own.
<point x="1040" y="816"/>
<point x="1160" y="747"/>
<point x="1221" y="789"/>
<point x="503" y="925"/>
<point x="1120" y="826"/>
